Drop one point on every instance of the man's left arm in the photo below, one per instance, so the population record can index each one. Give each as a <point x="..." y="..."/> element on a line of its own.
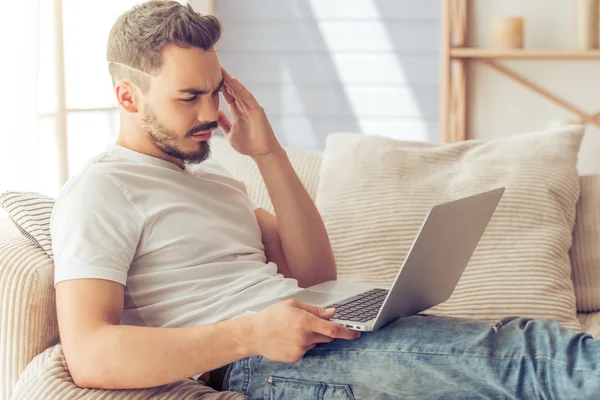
<point x="296" y="240"/>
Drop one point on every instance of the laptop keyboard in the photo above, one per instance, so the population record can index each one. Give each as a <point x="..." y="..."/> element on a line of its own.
<point x="362" y="307"/>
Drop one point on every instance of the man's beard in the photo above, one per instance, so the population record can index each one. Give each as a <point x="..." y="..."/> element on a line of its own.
<point x="167" y="139"/>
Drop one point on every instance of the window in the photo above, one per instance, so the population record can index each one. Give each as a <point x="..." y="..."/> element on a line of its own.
<point x="29" y="156"/>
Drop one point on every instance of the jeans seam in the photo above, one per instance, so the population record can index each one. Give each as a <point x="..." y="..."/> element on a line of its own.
<point x="457" y="355"/>
<point x="247" y="372"/>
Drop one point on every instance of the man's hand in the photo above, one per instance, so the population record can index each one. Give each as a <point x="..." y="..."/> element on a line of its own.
<point x="249" y="132"/>
<point x="286" y="330"/>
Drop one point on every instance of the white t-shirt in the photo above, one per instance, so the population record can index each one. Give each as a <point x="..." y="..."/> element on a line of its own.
<point x="185" y="243"/>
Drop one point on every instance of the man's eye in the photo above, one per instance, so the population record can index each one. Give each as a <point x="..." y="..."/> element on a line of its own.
<point x="190" y="99"/>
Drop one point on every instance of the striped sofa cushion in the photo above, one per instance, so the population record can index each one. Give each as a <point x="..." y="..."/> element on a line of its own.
<point x="306" y="164"/>
<point x="585" y="253"/>
<point x="30" y="212"/>
<point x="28" y="324"/>
<point x="374" y="194"/>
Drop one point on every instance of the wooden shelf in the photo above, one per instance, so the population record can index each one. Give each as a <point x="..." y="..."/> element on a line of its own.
<point x="465" y="52"/>
<point x="454" y="80"/>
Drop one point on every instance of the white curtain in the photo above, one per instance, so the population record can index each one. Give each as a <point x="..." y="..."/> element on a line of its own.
<point x="19" y="30"/>
<point x="32" y="105"/>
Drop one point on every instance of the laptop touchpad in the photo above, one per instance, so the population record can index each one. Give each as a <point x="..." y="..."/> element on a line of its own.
<point x="316" y="298"/>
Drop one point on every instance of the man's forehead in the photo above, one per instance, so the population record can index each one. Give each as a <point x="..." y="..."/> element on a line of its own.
<point x="185" y="67"/>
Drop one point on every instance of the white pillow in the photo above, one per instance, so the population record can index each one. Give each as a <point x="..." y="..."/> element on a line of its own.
<point x="585" y="253"/>
<point x="374" y="194"/>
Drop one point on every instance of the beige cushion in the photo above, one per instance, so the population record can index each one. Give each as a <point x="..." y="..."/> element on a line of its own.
<point x="47" y="377"/>
<point x="307" y="166"/>
<point x="7" y="227"/>
<point x="590" y="323"/>
<point x="28" y="323"/>
<point x="585" y="253"/>
<point x="374" y="194"/>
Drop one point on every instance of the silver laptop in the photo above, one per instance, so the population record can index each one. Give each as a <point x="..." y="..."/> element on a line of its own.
<point x="428" y="276"/>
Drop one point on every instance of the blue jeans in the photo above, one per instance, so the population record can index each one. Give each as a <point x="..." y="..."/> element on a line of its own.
<point x="431" y="357"/>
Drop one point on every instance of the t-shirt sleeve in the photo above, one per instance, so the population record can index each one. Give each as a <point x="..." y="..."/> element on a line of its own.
<point x="95" y="229"/>
<point x="255" y="205"/>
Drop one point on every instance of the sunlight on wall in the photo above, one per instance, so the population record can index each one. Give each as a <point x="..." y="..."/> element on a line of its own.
<point x="342" y="31"/>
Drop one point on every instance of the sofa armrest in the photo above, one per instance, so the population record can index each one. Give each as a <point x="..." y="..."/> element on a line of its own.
<point x="47" y="377"/>
<point x="28" y="323"/>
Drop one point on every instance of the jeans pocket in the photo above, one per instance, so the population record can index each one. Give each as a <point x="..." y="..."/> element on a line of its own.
<point x="278" y="388"/>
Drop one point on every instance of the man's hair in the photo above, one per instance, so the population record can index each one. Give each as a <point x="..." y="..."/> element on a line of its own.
<point x="138" y="37"/>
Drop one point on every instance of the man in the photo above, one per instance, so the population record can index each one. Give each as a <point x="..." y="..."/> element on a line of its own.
<point x="158" y="252"/>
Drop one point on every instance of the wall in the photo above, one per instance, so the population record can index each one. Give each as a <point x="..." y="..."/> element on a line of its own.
<point x="500" y="106"/>
<point x="319" y="66"/>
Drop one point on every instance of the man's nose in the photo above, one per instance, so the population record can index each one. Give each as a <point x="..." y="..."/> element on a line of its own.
<point x="208" y="110"/>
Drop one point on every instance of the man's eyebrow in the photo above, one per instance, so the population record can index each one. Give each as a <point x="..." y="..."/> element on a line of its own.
<point x="199" y="92"/>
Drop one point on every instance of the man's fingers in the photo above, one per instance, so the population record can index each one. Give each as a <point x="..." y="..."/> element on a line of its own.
<point x="227" y="96"/>
<point x="233" y="104"/>
<point x="229" y="91"/>
<point x="226" y="76"/>
<point x="318" y="311"/>
<point x="318" y="338"/>
<point x="239" y="91"/>
<point x="238" y="101"/>
<point x="321" y="325"/>
<point x="235" y="93"/>
<point x="223" y="122"/>
<point x="334" y="330"/>
<point x="244" y="93"/>
<point x="230" y="88"/>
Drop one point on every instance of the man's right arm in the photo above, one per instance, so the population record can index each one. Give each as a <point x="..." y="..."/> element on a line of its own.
<point x="102" y="354"/>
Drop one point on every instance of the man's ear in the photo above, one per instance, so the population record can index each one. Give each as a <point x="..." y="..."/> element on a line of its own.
<point x="127" y="96"/>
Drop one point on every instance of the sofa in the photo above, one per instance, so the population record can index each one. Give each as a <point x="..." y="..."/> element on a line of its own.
<point x="373" y="194"/>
